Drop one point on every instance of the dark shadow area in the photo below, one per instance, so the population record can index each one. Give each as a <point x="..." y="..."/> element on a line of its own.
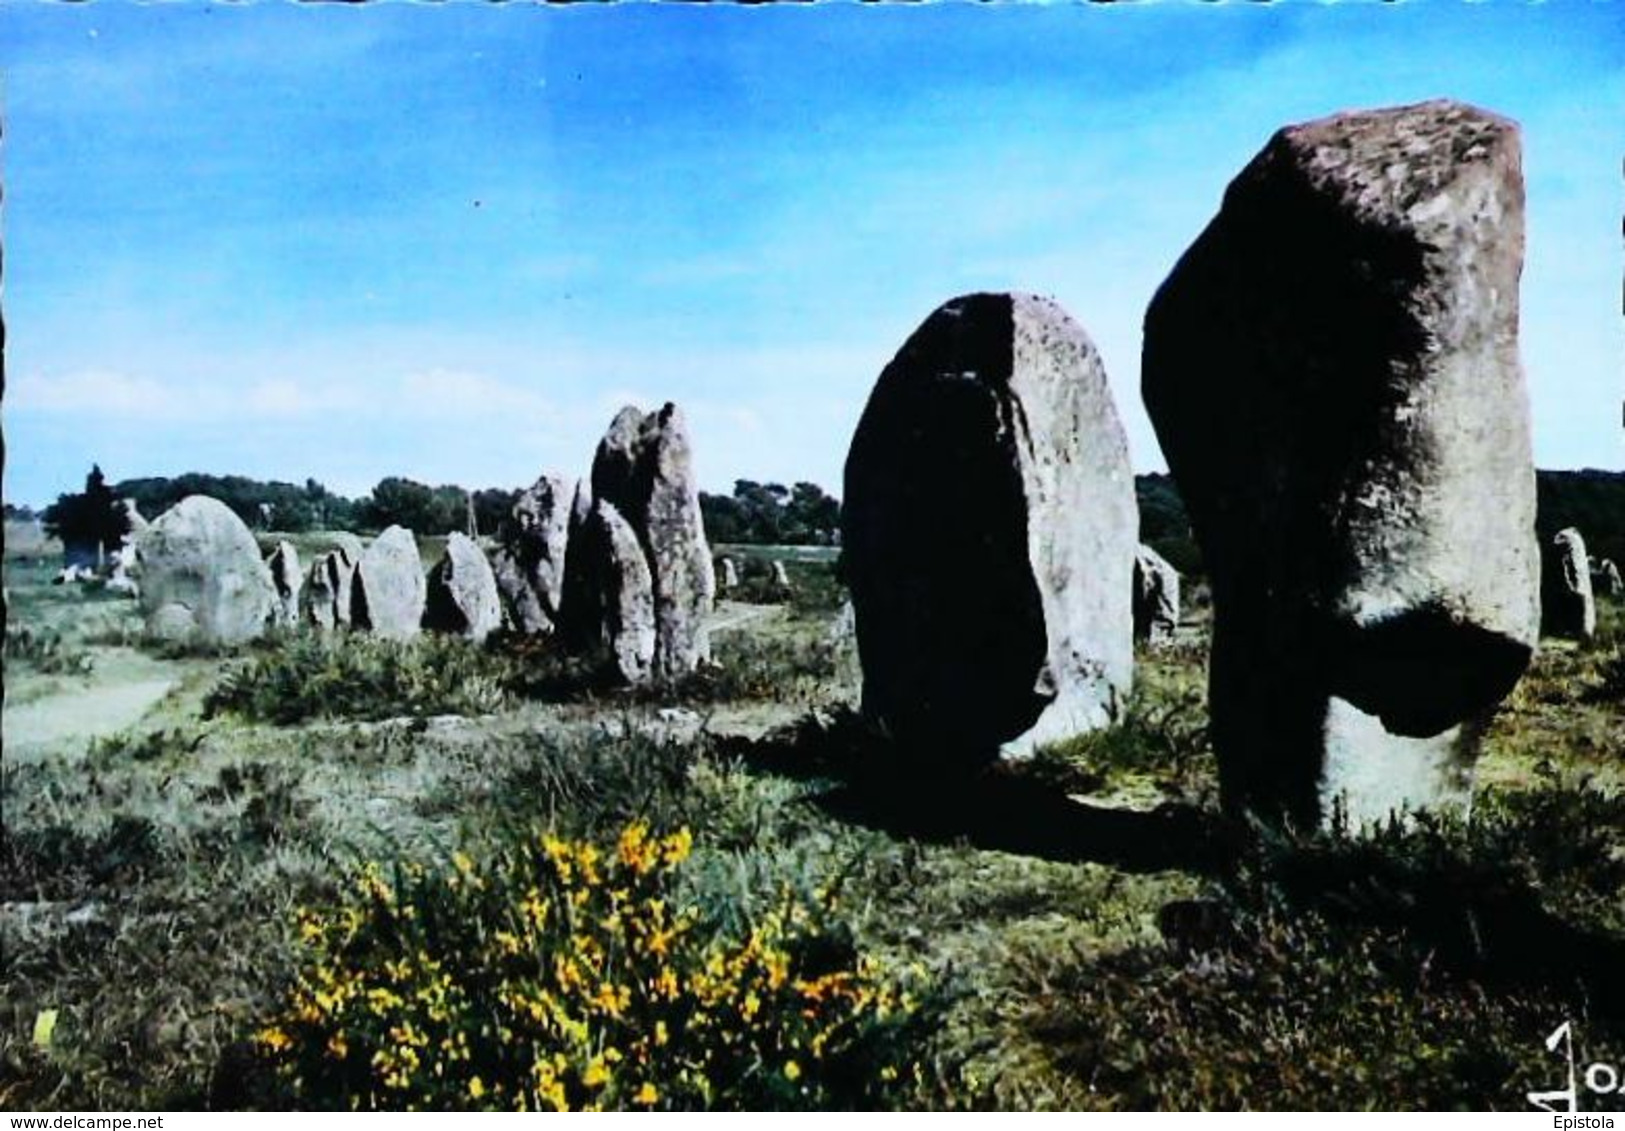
<point x="996" y="808"/>
<point x="1423" y="671"/>
<point x="1474" y="901"/>
<point x="1476" y="920"/>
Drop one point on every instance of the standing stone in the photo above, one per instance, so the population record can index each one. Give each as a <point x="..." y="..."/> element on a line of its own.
<point x="727" y="575"/>
<point x="579" y="625"/>
<point x="1605" y="579"/>
<point x="644" y="468"/>
<point x="203" y="581"/>
<point x="1156" y="597"/>
<point x="285" y="576"/>
<point x="521" y="607"/>
<point x="328" y="590"/>
<point x="321" y="593"/>
<point x="536" y="537"/>
<point x="779" y="580"/>
<point x="462" y="592"/>
<point x="989" y="532"/>
<point x="1568" y="606"/>
<point x="618" y="600"/>
<point x="389" y="592"/>
<point x="1332" y="370"/>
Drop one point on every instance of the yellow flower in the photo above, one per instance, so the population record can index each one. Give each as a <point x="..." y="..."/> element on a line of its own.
<point x="476" y="1088"/>
<point x="647" y="1095"/>
<point x="275" y="1039"/>
<point x="792" y="1070"/>
<point x="677" y="847"/>
<point x="597" y="1074"/>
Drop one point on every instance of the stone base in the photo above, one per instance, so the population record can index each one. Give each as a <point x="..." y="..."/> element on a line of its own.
<point x="1370" y="774"/>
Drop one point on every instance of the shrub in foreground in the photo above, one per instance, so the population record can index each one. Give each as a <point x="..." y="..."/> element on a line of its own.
<point x="561" y="976"/>
<point x="360" y="677"/>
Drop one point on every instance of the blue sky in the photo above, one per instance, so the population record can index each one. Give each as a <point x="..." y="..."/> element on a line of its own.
<point x="448" y="242"/>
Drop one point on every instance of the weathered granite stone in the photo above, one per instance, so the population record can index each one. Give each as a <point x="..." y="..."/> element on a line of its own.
<point x="644" y="467"/>
<point x="521" y="607"/>
<point x="1568" y="605"/>
<point x="462" y="592"/>
<point x="202" y="579"/>
<point x="727" y="574"/>
<point x="1156" y="597"/>
<point x="989" y="531"/>
<point x="536" y="537"/>
<point x="283" y="563"/>
<point x="621" y="602"/>
<point x="779" y="580"/>
<point x="1332" y="370"/>
<point x="388" y="592"/>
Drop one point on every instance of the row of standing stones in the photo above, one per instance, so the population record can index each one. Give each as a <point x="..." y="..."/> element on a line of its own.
<point x="1332" y="371"/>
<point x="616" y="567"/>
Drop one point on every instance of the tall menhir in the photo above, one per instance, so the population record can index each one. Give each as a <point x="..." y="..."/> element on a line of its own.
<point x="1332" y="369"/>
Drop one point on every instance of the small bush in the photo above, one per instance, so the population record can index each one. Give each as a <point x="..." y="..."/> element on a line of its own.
<point x="154" y="746"/>
<point x="360" y="677"/>
<point x="750" y="667"/>
<point x="45" y="651"/>
<point x="560" y="976"/>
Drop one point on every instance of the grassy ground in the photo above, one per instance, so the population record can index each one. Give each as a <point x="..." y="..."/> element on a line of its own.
<point x="1087" y="933"/>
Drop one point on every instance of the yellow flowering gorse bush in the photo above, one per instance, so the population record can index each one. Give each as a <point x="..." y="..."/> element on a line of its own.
<point x="561" y="975"/>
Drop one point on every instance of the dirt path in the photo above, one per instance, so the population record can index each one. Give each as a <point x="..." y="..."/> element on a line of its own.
<point x="731" y="615"/>
<point x="125" y="687"/>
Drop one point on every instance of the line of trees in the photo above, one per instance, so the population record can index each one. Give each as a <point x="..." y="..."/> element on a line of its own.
<point x="769" y="514"/>
<point x="755" y="514"/>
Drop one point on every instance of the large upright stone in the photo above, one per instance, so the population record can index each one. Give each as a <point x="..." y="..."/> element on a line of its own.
<point x="644" y="467"/>
<point x="1568" y="605"/>
<point x="283" y="563"/>
<point x="1156" y="597"/>
<point x="462" y="592"/>
<point x="617" y="597"/>
<point x="389" y="592"/>
<point x="1332" y="369"/>
<point x="534" y="540"/>
<point x="989" y="532"/>
<point x="202" y="578"/>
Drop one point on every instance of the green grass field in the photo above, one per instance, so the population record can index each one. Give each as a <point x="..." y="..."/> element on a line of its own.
<point x="185" y="840"/>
